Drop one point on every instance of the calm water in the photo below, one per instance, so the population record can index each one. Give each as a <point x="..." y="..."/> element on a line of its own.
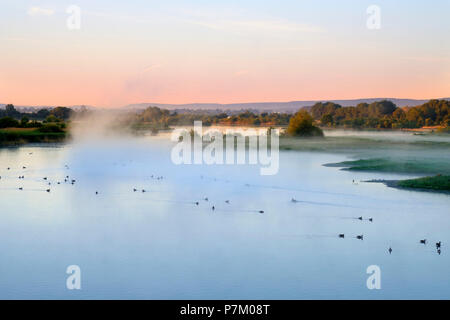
<point x="160" y="245"/>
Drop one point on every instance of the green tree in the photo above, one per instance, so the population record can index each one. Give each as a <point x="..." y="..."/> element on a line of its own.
<point x="326" y="120"/>
<point x="24" y="121"/>
<point x="301" y="125"/>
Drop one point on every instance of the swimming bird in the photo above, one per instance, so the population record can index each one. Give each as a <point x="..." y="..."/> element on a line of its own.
<point x="20" y="188"/>
<point x="96" y="192"/>
<point x="261" y="211"/>
<point x="45" y="178"/>
<point x="361" y="237"/>
<point x="134" y="190"/>
<point x="48" y="190"/>
<point x="227" y="201"/>
<point x="196" y="203"/>
<point x="213" y="208"/>
<point x="438" y="244"/>
<point x="341" y="235"/>
<point x="360" y="218"/>
<point x="390" y="250"/>
<point x="24" y="167"/>
<point x="439" y="251"/>
<point x="206" y="199"/>
<point x="370" y="219"/>
<point x="424" y="241"/>
<point x="143" y="190"/>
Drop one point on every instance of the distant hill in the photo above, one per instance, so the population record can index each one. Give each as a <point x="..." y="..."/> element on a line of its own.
<point x="291" y="106"/>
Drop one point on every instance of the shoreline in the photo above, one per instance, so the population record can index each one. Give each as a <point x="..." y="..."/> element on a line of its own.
<point x="395" y="184"/>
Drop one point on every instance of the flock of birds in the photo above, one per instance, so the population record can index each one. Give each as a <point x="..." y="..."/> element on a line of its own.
<point x="361" y="237"/>
<point x="67" y="179"/>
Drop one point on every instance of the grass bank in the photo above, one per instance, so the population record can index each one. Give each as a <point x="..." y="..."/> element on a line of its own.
<point x="16" y="136"/>
<point x="438" y="182"/>
<point x="397" y="165"/>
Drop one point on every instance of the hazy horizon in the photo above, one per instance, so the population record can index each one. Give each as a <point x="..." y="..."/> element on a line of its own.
<point x="219" y="104"/>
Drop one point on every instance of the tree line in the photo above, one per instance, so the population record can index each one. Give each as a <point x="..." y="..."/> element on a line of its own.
<point x="383" y="114"/>
<point x="11" y="117"/>
<point x="164" y="118"/>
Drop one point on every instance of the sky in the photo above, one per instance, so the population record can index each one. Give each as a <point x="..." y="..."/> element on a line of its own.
<point x="205" y="51"/>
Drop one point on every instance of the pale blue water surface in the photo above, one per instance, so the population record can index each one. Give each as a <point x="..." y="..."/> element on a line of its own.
<point x="160" y="245"/>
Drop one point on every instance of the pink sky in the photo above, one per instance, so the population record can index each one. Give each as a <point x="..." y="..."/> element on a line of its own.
<point x="211" y="56"/>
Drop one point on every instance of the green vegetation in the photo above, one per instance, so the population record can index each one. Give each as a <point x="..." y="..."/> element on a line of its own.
<point x="154" y="117"/>
<point x="396" y="165"/>
<point x="383" y="115"/>
<point x="302" y="125"/>
<point x="438" y="182"/>
<point x="46" y="126"/>
<point x="377" y="115"/>
<point x="14" y="136"/>
<point x="61" y="113"/>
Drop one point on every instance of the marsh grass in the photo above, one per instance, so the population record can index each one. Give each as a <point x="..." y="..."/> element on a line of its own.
<point x="11" y="136"/>
<point x="438" y="182"/>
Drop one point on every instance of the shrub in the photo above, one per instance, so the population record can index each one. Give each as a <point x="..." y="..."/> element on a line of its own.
<point x="50" y="128"/>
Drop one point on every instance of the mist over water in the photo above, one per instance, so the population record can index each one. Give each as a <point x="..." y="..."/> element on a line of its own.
<point x="159" y="244"/>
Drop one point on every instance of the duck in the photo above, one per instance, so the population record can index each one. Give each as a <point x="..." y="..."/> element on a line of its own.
<point x="341" y="235"/>
<point x="213" y="208"/>
<point x="390" y="250"/>
<point x="227" y="201"/>
<point x="361" y="237"/>
<point x="371" y="219"/>
<point x="438" y="244"/>
<point x="360" y="218"/>
<point x="423" y="241"/>
<point x="48" y="190"/>
<point x="261" y="211"/>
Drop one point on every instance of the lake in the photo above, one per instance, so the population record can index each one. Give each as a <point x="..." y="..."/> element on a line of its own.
<point x="160" y="244"/>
